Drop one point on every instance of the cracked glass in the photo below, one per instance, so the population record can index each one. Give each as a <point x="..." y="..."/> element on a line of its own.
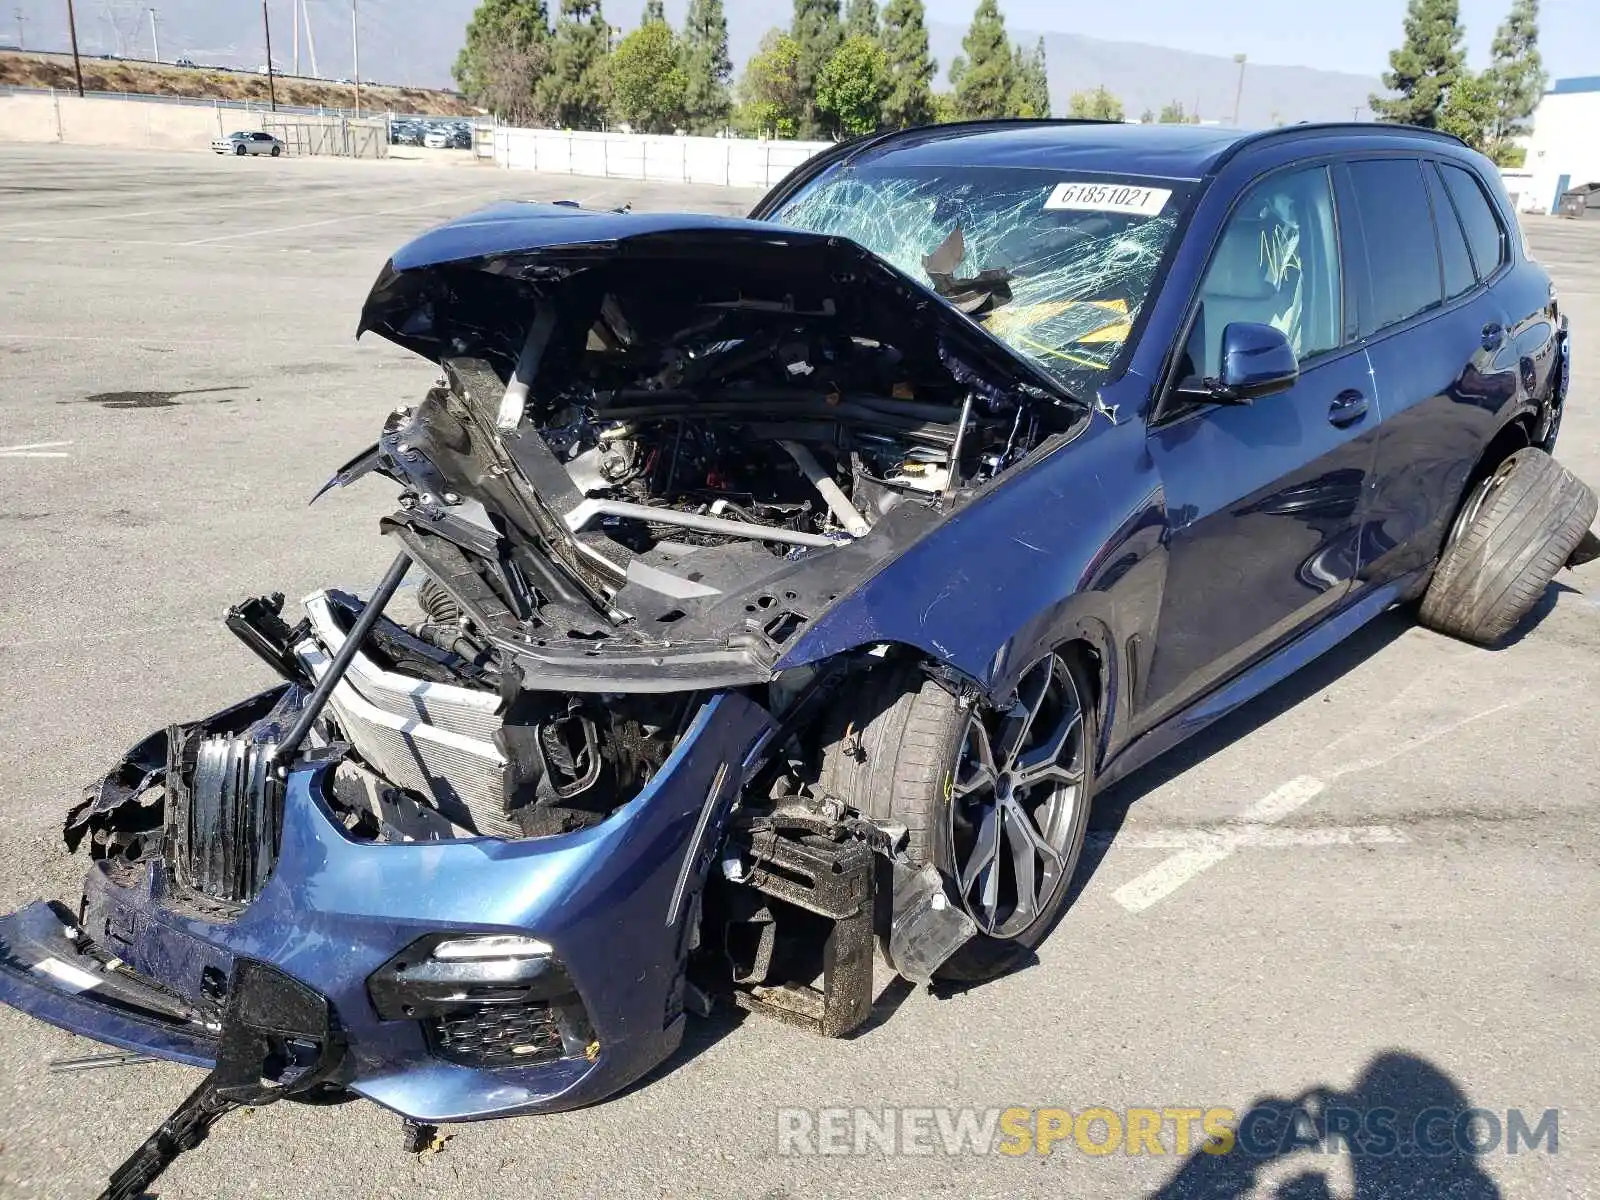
<point x="1062" y="286"/>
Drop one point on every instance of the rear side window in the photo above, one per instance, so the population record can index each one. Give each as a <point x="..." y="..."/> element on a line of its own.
<point x="1485" y="234"/>
<point x="1402" y="260"/>
<point x="1458" y="276"/>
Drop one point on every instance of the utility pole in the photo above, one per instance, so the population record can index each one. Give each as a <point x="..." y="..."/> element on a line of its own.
<point x="1238" y="93"/>
<point x="272" y="89"/>
<point x="297" y="37"/>
<point x="72" y="28"/>
<point x="22" y="41"/>
<point x="355" y="42"/>
<point x="155" y="38"/>
<point x="311" y="41"/>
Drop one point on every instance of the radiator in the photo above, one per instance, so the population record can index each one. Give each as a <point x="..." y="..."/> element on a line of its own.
<point x="433" y="739"/>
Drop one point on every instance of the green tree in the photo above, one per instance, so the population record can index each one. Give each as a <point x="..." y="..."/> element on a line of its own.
<point x="853" y="86"/>
<point x="1098" y="104"/>
<point x="861" y="19"/>
<point x="1469" y="110"/>
<point x="983" y="75"/>
<point x="647" y="80"/>
<point x="1425" y="67"/>
<point x="505" y="52"/>
<point x="770" y="89"/>
<point x="654" y="10"/>
<point x="1516" y="79"/>
<point x="574" y="89"/>
<point x="944" y="108"/>
<point x="911" y="71"/>
<point x="1030" y="86"/>
<point x="707" y="68"/>
<point x="817" y="33"/>
<point x="1173" y="114"/>
<point x="1147" y="117"/>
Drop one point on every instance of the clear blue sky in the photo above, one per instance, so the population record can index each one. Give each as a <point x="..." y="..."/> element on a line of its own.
<point x="1352" y="35"/>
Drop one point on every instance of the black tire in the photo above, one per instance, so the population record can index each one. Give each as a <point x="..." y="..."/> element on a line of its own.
<point x="1516" y="529"/>
<point x="277" y="150"/>
<point x="891" y="751"/>
<point x="240" y="150"/>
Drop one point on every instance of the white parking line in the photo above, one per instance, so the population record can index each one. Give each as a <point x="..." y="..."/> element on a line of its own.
<point x="204" y="206"/>
<point x="1172" y="873"/>
<point x="1251" y="826"/>
<point x="35" y="450"/>
<point x="359" y="216"/>
<point x="1260" y="837"/>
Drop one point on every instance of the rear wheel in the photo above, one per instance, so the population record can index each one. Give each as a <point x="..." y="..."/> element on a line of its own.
<point x="1516" y="529"/>
<point x="996" y="798"/>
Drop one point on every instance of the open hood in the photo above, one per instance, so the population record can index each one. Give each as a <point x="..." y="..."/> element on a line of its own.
<point x="664" y="445"/>
<point x="452" y="290"/>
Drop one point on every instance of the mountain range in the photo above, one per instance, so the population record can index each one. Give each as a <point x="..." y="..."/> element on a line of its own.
<point x="415" y="42"/>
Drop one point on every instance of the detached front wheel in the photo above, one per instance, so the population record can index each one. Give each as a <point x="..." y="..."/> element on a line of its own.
<point x="996" y="798"/>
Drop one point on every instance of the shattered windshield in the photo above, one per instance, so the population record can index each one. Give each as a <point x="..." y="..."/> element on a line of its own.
<point x="1054" y="264"/>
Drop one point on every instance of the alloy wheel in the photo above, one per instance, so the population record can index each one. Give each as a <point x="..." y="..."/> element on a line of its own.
<point x="1015" y="796"/>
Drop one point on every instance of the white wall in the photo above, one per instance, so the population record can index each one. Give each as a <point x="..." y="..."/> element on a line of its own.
<point x="96" y="121"/>
<point x="1565" y="141"/>
<point x="738" y="162"/>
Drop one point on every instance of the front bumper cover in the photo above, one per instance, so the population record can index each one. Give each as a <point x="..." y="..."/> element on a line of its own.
<point x="613" y="900"/>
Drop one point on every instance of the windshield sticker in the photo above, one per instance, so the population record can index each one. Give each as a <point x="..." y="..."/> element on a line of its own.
<point x="1109" y="197"/>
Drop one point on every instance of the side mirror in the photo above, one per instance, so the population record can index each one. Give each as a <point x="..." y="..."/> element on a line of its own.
<point x="1257" y="360"/>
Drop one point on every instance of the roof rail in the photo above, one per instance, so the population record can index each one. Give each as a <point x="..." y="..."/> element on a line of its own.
<point x="1319" y="128"/>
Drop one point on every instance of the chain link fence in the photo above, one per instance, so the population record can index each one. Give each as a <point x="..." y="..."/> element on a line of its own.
<point x="338" y="137"/>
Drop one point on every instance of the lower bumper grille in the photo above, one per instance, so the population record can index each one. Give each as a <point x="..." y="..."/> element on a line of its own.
<point x="498" y="1035"/>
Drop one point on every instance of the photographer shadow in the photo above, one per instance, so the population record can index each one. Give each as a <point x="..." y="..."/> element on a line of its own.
<point x="1292" y="1149"/>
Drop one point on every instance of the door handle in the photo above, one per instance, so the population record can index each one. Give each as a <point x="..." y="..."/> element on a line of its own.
<point x="1493" y="335"/>
<point x="1347" y="408"/>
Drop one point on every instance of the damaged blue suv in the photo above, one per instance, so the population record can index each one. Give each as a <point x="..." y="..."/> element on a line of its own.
<point x="789" y="585"/>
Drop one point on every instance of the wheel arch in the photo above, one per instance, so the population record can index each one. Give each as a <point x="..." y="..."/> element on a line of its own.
<point x="1515" y="434"/>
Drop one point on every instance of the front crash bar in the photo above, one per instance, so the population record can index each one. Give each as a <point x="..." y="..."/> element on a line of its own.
<point x="272" y="1024"/>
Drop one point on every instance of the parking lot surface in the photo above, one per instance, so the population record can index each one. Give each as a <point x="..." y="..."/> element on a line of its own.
<point x="1419" y="927"/>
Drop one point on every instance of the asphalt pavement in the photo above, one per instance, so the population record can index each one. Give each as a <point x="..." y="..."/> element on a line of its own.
<point x="1417" y="926"/>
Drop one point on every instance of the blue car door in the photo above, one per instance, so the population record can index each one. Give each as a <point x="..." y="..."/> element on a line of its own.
<point x="1265" y="502"/>
<point x="1443" y="357"/>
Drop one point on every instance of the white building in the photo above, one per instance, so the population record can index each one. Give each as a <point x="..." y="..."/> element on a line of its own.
<point x="1564" y="149"/>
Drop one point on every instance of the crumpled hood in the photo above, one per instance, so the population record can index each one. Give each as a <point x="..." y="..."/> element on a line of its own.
<point x="463" y="266"/>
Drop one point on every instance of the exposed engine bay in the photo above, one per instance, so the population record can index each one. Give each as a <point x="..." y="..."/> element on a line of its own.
<point x="659" y="473"/>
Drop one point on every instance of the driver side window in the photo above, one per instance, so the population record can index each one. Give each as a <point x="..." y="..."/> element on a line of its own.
<point x="1277" y="263"/>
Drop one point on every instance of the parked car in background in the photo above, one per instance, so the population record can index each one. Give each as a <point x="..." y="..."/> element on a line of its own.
<point x="791" y="585"/>
<point x="438" y="138"/>
<point x="184" y="62"/>
<point x="247" y="142"/>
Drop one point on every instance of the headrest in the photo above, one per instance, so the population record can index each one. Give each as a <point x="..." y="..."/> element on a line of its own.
<point x="1239" y="270"/>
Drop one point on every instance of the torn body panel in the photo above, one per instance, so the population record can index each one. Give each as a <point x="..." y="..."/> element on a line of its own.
<point x="662" y="447"/>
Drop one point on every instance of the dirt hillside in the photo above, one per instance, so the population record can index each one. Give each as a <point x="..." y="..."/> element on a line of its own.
<point x="102" y="75"/>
